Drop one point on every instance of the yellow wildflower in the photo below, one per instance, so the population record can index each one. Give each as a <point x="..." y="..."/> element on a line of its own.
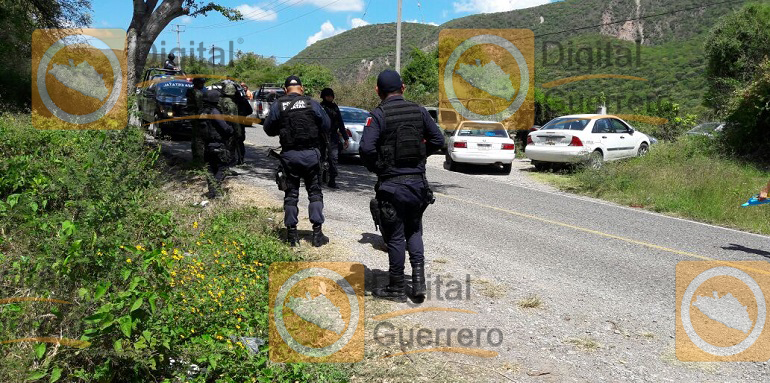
<point x="128" y="260"/>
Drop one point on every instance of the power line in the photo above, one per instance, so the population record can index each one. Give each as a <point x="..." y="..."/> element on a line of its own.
<point x="285" y="22"/>
<point x="261" y="12"/>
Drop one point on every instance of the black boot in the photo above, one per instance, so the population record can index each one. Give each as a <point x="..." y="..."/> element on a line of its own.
<point x="332" y="183"/>
<point x="394" y="291"/>
<point x="418" y="282"/>
<point x="291" y="236"/>
<point x="319" y="239"/>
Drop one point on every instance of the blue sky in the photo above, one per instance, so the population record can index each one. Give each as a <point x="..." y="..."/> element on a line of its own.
<point x="282" y="28"/>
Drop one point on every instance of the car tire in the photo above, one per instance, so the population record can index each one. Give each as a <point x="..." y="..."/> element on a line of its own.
<point x="643" y="149"/>
<point x="507" y="168"/>
<point x="451" y="165"/>
<point x="595" y="160"/>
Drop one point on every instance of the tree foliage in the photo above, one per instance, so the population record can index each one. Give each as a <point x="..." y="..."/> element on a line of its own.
<point x="18" y="20"/>
<point x="735" y="49"/>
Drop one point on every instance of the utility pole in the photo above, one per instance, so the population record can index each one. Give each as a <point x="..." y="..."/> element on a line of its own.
<point x="398" y="39"/>
<point x="179" y="29"/>
<point x="212" y="55"/>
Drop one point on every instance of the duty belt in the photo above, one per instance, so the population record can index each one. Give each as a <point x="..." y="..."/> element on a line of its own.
<point x="402" y="177"/>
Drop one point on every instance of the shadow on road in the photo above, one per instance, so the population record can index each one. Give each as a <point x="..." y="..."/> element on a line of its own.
<point x="736" y="247"/>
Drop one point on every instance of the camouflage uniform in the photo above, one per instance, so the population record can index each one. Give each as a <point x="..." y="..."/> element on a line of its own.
<point x="194" y="106"/>
<point x="229" y="107"/>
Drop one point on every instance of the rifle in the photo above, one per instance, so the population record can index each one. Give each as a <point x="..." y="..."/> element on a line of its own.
<point x="280" y="172"/>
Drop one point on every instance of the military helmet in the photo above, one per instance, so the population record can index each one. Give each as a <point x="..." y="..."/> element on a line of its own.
<point x="171" y="56"/>
<point x="229" y="89"/>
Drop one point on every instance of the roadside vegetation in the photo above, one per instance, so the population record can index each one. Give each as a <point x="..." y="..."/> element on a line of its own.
<point x="702" y="178"/>
<point x="84" y="219"/>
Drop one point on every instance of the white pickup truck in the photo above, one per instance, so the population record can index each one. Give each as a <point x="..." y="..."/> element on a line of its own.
<point x="264" y="97"/>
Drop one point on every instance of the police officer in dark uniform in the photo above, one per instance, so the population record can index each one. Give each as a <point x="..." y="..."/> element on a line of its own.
<point x="194" y="106"/>
<point x="301" y="124"/>
<point x="336" y="134"/>
<point x="397" y="139"/>
<point x="170" y="64"/>
<point x="218" y="132"/>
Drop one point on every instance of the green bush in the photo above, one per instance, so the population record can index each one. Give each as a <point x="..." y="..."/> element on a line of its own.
<point x="83" y="219"/>
<point x="690" y="177"/>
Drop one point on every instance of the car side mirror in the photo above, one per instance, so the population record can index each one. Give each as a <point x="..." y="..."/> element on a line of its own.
<point x="631" y="131"/>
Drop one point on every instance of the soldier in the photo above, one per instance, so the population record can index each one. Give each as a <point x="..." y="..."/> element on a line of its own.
<point x="337" y="132"/>
<point x="218" y="133"/>
<point x="300" y="122"/>
<point x="395" y="144"/>
<point x="194" y="106"/>
<point x="229" y="106"/>
<point x="170" y="64"/>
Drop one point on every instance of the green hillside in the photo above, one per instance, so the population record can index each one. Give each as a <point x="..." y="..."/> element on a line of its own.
<point x="671" y="56"/>
<point x="349" y="53"/>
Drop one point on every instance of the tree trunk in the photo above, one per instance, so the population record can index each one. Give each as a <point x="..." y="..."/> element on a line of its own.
<point x="146" y="25"/>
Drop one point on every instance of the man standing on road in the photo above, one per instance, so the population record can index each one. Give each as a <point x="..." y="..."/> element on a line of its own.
<point x="337" y="132"/>
<point x="300" y="122"/>
<point x="218" y="133"/>
<point x="193" y="108"/>
<point x="397" y="139"/>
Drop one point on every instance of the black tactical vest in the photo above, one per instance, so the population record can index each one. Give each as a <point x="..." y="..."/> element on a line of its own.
<point x="401" y="143"/>
<point x="299" y="129"/>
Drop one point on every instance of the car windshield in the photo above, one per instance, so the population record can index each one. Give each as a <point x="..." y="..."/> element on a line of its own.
<point x="172" y="91"/>
<point x="354" y="116"/>
<point x="566" y="123"/>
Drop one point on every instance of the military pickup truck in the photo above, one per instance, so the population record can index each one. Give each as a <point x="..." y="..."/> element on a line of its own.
<point x="162" y="98"/>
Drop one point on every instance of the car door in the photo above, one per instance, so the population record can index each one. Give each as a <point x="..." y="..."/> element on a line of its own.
<point x="604" y="136"/>
<point x="627" y="141"/>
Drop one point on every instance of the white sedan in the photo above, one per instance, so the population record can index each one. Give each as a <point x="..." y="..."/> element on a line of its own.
<point x="354" y="120"/>
<point x="585" y="138"/>
<point x="480" y="143"/>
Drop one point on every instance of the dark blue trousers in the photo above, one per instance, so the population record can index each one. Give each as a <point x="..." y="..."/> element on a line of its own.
<point x="402" y="205"/>
<point x="303" y="165"/>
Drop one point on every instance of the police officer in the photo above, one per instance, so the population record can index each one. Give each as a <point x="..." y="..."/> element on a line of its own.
<point x="170" y="64"/>
<point x="300" y="122"/>
<point x="218" y="132"/>
<point x="337" y="132"/>
<point x="395" y="144"/>
<point x="194" y="106"/>
<point x="229" y="106"/>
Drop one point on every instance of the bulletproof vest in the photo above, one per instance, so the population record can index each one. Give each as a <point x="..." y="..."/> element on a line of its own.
<point x="401" y="141"/>
<point x="299" y="129"/>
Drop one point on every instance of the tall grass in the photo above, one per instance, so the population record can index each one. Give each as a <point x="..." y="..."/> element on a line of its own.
<point x="689" y="178"/>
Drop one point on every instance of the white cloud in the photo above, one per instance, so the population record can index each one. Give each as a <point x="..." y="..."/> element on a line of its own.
<point x="327" y="30"/>
<point x="421" y="22"/>
<point x="186" y="19"/>
<point x="356" y="22"/>
<point x="489" y="6"/>
<point x="338" y="6"/>
<point x="256" y="13"/>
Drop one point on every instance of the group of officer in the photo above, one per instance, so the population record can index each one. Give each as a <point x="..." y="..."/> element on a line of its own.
<point x="217" y="140"/>
<point x="398" y="137"/>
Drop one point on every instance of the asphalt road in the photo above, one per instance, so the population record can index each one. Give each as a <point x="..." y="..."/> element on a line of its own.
<point x="605" y="273"/>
